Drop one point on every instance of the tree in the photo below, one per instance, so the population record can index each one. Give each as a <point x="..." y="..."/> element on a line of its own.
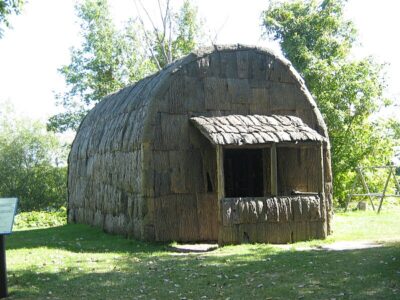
<point x="107" y="60"/>
<point x="317" y="39"/>
<point x="110" y="59"/>
<point x="177" y="35"/>
<point x="393" y="127"/>
<point x="32" y="163"/>
<point x="7" y="8"/>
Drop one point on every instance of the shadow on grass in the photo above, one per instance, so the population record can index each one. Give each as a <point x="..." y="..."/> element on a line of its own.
<point x="78" y="238"/>
<point x="242" y="272"/>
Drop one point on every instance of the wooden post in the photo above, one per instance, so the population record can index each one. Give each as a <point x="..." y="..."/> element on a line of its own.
<point x="274" y="171"/>
<point x="220" y="172"/>
<point x="266" y="168"/>
<point x="364" y="183"/>
<point x="395" y="179"/>
<point x="321" y="188"/>
<point x="220" y="188"/>
<point x="321" y="175"/>
<point x="351" y="192"/>
<point x="384" y="190"/>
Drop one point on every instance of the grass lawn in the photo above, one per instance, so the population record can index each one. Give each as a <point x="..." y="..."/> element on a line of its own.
<point x="81" y="262"/>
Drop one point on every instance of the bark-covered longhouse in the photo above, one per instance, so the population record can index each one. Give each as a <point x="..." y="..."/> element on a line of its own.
<point x="225" y="144"/>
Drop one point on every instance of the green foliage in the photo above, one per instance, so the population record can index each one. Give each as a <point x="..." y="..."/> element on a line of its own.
<point x="31" y="164"/>
<point x="393" y="127"/>
<point x="310" y="31"/>
<point x="110" y="59"/>
<point x="40" y="219"/>
<point x="7" y="8"/>
<point x="317" y="39"/>
<point x="187" y="32"/>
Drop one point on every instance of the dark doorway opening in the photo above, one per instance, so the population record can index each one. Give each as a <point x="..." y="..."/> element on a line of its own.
<point x="243" y="172"/>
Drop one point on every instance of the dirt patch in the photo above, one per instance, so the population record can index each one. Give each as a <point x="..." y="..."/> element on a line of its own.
<point x="350" y="245"/>
<point x="337" y="246"/>
<point x="193" y="248"/>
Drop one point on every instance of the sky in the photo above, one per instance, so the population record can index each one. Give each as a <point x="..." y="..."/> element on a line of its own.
<point x="39" y="43"/>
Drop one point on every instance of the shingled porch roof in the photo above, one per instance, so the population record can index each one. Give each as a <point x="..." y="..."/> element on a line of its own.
<point x="255" y="129"/>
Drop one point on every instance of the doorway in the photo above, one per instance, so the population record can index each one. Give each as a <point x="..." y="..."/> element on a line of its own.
<point x="243" y="173"/>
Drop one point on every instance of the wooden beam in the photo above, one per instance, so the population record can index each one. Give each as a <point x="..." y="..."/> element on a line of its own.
<point x="220" y="172"/>
<point x="350" y="195"/>
<point x="310" y="144"/>
<point x="321" y="175"/>
<point x="364" y="183"/>
<point x="376" y="195"/>
<point x="395" y="179"/>
<point x="384" y="190"/>
<point x="274" y="171"/>
<point x="266" y="170"/>
<point x="220" y="189"/>
<point x="376" y="167"/>
<point x="321" y="182"/>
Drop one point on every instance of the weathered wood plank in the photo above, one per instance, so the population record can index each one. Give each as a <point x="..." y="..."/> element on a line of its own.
<point x="243" y="64"/>
<point x="215" y="94"/>
<point x="274" y="171"/>
<point x="207" y="214"/>
<point x="166" y="219"/>
<point x="188" y="218"/>
<point x="175" y="131"/>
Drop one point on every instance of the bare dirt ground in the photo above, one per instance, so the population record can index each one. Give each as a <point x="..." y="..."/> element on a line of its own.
<point x="193" y="248"/>
<point x="350" y="245"/>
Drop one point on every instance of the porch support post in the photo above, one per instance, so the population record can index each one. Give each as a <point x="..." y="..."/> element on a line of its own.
<point x="321" y="173"/>
<point x="321" y="190"/>
<point x="274" y="171"/>
<point x="220" y="190"/>
<point x="220" y="172"/>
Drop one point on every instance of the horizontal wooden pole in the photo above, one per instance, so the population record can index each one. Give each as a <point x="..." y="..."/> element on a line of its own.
<point x="377" y="167"/>
<point x="373" y="195"/>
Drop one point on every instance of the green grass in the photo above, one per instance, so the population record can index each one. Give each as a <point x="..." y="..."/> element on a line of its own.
<point x="367" y="225"/>
<point x="81" y="262"/>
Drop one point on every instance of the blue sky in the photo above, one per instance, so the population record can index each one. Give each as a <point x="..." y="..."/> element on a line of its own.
<point x="42" y="35"/>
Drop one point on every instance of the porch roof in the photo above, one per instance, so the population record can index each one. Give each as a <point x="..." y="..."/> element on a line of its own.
<point x="255" y="129"/>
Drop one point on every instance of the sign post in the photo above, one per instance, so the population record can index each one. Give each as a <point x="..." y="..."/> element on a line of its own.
<point x="8" y="208"/>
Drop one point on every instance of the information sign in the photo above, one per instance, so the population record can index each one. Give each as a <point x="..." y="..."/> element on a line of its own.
<point x="8" y="207"/>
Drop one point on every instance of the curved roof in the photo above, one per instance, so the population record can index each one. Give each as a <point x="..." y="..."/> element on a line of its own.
<point x="120" y="120"/>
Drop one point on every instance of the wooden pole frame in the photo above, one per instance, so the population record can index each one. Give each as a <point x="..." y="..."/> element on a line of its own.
<point x="360" y="174"/>
<point x="384" y="190"/>
<point x="364" y="183"/>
